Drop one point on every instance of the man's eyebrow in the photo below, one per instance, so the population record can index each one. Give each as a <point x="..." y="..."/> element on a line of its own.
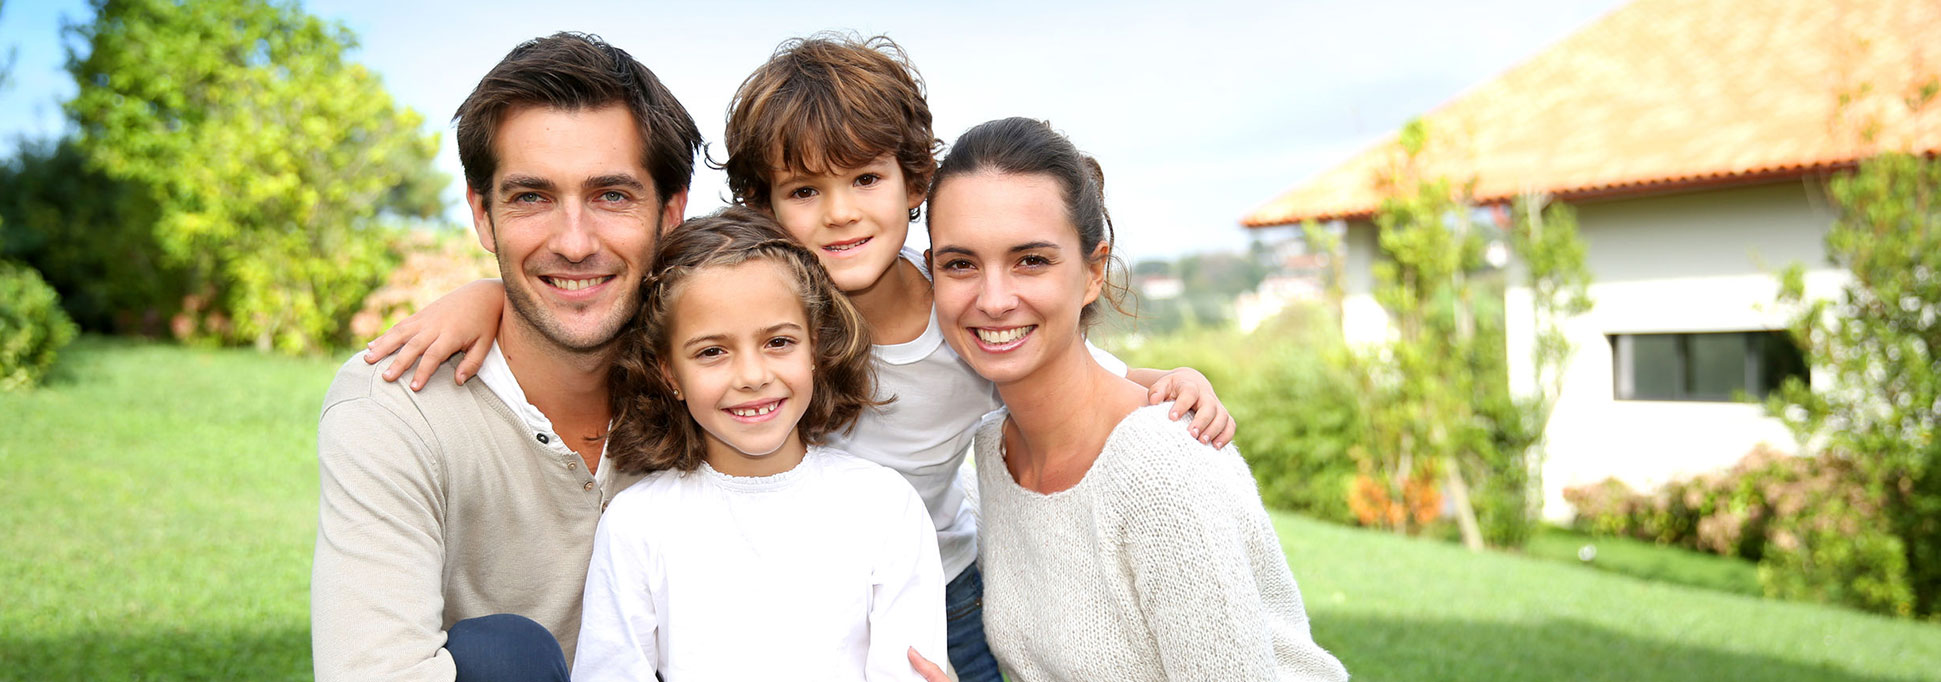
<point x="512" y="182"/>
<point x="626" y="180"/>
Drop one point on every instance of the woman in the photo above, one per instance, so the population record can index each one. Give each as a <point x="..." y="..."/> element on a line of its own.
<point x="1115" y="544"/>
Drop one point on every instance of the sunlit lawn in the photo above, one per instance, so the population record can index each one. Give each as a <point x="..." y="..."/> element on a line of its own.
<point x="158" y="505"/>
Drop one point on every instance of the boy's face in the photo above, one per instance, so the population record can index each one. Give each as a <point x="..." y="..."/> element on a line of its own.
<point x="854" y="219"/>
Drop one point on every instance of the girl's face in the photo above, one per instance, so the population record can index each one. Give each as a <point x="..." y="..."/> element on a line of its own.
<point x="741" y="354"/>
<point x="1011" y="276"/>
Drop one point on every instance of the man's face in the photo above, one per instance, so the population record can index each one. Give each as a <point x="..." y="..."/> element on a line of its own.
<point x="573" y="219"/>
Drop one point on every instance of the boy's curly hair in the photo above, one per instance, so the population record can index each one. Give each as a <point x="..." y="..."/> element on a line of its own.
<point x="829" y="101"/>
<point x="651" y="429"/>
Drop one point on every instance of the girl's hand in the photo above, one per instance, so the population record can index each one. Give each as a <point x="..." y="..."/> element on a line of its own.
<point x="464" y="320"/>
<point x="929" y="671"/>
<point x="1190" y="391"/>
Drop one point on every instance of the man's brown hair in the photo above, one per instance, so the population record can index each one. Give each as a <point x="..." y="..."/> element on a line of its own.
<point x="574" y="72"/>
<point x="824" y="102"/>
<point x="652" y="430"/>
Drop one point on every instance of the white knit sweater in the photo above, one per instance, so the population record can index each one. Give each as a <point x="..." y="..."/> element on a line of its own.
<point x="1159" y="564"/>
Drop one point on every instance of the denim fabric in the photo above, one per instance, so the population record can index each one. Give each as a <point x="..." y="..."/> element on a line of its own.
<point x="505" y="647"/>
<point x="964" y="607"/>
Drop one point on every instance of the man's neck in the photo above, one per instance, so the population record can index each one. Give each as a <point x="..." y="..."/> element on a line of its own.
<point x="569" y="387"/>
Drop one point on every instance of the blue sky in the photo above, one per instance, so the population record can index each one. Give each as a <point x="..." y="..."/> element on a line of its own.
<point x="1199" y="112"/>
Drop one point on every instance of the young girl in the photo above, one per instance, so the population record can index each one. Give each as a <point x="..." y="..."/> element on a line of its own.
<point x="752" y="551"/>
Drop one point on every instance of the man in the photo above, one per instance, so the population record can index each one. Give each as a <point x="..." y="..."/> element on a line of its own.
<point x="456" y="522"/>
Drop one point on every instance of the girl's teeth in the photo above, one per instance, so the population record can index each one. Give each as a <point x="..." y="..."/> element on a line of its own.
<point x="756" y="411"/>
<point x="1004" y="336"/>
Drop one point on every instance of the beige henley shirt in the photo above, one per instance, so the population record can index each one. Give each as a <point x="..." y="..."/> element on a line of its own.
<point x="437" y="506"/>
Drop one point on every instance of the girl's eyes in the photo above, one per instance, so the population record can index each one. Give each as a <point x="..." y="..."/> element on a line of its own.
<point x="781" y="342"/>
<point x="711" y="352"/>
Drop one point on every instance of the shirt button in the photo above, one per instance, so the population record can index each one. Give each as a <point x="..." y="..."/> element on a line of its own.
<point x="542" y="438"/>
<point x="588" y="486"/>
<point x="572" y="465"/>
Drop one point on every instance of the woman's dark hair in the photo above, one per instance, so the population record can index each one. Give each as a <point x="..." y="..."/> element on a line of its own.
<point x="1024" y="146"/>
<point x="651" y="429"/>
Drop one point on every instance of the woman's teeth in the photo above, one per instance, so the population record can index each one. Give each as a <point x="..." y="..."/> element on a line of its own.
<point x="576" y="284"/>
<point x="1003" y="336"/>
<point x="755" y="411"/>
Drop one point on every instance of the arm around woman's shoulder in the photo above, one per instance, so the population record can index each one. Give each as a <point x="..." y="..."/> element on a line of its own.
<point x="1213" y="586"/>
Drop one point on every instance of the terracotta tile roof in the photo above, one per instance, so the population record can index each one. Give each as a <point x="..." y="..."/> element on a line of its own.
<point x="1666" y="95"/>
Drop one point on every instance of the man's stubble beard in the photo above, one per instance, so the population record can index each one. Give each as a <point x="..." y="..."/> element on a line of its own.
<point x="532" y="315"/>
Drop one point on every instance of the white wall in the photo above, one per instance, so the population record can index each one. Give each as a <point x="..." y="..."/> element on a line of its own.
<point x="1694" y="262"/>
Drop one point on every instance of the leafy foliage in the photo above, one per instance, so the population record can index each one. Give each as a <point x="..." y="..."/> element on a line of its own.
<point x="33" y="328"/>
<point x="1879" y="407"/>
<point x="91" y="236"/>
<point x="271" y="159"/>
<point x="1436" y="395"/>
<point x="1292" y="396"/>
<point x="1817" y="530"/>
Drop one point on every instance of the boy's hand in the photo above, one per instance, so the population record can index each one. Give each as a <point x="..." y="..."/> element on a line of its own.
<point x="464" y="320"/>
<point x="1190" y="391"/>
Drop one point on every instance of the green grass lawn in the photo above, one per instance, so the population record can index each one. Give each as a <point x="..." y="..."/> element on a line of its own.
<point x="1642" y="559"/>
<point x="160" y="505"/>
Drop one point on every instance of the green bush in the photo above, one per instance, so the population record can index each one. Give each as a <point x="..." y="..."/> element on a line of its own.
<point x="1288" y="387"/>
<point x="92" y="237"/>
<point x="1817" y="530"/>
<point x="32" y="326"/>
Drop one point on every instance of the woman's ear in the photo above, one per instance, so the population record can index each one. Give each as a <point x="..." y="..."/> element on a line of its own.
<point x="1095" y="271"/>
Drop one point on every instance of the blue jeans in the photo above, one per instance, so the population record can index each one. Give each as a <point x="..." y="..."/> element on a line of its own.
<point x="505" y="647"/>
<point x="964" y="607"/>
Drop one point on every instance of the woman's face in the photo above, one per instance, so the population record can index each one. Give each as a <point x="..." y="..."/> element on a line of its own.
<point x="1011" y="277"/>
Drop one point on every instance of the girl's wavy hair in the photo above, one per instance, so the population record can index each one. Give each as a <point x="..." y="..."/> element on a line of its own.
<point x="654" y="431"/>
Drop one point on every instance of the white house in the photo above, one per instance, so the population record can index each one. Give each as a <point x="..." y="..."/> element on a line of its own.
<point x="1694" y="138"/>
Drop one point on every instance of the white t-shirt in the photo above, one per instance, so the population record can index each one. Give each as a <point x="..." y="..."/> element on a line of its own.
<point x="926" y="433"/>
<point x="826" y="571"/>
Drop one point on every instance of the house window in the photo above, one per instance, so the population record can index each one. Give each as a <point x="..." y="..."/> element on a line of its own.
<point x="1712" y="366"/>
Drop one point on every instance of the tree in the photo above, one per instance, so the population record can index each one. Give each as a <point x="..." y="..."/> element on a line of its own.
<point x="275" y="163"/>
<point x="1436" y="395"/>
<point x="1875" y="397"/>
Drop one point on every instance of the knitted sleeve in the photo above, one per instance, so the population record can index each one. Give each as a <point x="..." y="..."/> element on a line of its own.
<point x="619" y="629"/>
<point x="1217" y="606"/>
